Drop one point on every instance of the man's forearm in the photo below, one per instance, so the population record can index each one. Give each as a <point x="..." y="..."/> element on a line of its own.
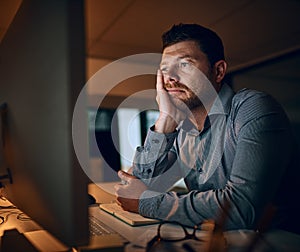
<point x="153" y="158"/>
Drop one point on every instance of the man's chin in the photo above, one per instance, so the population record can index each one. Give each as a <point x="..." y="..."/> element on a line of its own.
<point x="187" y="106"/>
<point x="181" y="105"/>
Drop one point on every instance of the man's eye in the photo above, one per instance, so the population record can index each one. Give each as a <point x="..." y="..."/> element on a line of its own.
<point x="184" y="64"/>
<point x="164" y="69"/>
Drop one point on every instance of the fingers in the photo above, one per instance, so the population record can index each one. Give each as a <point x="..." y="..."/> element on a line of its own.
<point x="125" y="177"/>
<point x="161" y="92"/>
<point x="119" y="191"/>
<point x="159" y="81"/>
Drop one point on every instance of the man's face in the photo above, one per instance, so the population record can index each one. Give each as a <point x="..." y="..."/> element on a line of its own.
<point x="186" y="73"/>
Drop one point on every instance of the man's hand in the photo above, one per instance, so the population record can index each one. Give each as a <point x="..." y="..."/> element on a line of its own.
<point x="169" y="116"/>
<point x="129" y="191"/>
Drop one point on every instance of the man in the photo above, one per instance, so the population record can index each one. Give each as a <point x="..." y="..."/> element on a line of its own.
<point x="230" y="148"/>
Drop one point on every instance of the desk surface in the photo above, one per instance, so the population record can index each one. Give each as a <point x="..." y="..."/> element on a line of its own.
<point x="104" y="193"/>
<point x="21" y="231"/>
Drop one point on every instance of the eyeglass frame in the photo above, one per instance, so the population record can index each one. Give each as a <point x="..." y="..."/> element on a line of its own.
<point x="158" y="237"/>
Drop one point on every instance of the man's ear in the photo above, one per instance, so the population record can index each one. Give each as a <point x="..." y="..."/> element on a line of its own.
<point x="220" y="70"/>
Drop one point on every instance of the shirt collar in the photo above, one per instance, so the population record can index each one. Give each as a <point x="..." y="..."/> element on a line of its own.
<point x="221" y="106"/>
<point x="222" y="103"/>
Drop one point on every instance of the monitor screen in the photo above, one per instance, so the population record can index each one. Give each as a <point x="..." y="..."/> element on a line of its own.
<point x="42" y="71"/>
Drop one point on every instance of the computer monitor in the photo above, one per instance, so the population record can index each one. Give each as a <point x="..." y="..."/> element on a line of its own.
<point x="42" y="71"/>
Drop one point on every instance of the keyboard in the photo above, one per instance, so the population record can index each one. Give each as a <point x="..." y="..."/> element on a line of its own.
<point x="97" y="227"/>
<point x="102" y="237"/>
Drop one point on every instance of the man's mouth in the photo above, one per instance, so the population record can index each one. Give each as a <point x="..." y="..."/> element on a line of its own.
<point x="175" y="90"/>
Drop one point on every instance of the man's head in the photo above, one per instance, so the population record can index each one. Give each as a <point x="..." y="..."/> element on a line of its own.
<point x="192" y="64"/>
<point x="207" y="40"/>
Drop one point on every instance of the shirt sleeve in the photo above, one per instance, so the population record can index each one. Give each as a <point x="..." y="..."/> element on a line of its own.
<point x="263" y="146"/>
<point x="154" y="159"/>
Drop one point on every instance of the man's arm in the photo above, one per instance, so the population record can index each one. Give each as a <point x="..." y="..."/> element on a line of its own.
<point x="155" y="157"/>
<point x="262" y="155"/>
<point x="155" y="160"/>
<point x="151" y="164"/>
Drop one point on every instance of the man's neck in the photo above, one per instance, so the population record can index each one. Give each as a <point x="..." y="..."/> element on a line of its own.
<point x="198" y="116"/>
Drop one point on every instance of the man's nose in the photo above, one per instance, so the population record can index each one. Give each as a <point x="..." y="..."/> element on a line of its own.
<point x="172" y="76"/>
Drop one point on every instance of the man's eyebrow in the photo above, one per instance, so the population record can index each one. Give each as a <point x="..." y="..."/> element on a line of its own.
<point x="185" y="56"/>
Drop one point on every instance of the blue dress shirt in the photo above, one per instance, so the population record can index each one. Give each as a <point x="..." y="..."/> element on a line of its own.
<point x="244" y="155"/>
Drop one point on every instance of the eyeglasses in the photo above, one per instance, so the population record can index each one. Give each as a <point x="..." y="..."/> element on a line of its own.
<point x="172" y="232"/>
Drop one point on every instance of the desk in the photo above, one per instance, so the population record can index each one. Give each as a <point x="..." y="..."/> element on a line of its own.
<point x="104" y="193"/>
<point x="43" y="241"/>
<point x="13" y="218"/>
<point x="22" y="233"/>
<point x="278" y="239"/>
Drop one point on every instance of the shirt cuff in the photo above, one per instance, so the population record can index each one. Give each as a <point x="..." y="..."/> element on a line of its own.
<point x="145" y="158"/>
<point x="149" y="203"/>
<point x="166" y="141"/>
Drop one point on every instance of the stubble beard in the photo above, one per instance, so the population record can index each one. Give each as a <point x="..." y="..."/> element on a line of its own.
<point x="187" y="104"/>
